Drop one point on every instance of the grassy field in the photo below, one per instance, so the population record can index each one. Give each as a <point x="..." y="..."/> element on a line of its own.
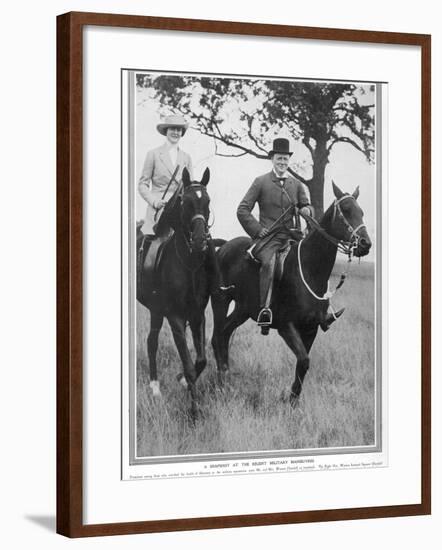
<point x="337" y="403"/>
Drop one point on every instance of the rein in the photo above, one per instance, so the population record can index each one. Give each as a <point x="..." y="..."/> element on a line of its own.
<point x="191" y="269"/>
<point x="189" y="241"/>
<point x="346" y="247"/>
<point x="329" y="293"/>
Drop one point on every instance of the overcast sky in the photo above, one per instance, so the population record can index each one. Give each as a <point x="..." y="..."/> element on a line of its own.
<point x="230" y="177"/>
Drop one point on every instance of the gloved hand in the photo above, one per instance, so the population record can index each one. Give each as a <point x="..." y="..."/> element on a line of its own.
<point x="305" y="210"/>
<point x="296" y="234"/>
<point x="263" y="233"/>
<point x="159" y="203"/>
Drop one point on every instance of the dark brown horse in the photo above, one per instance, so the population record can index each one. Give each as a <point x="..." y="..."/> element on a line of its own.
<point x="300" y="298"/>
<point x="181" y="290"/>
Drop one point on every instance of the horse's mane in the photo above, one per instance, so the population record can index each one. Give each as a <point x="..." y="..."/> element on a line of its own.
<point x="324" y="218"/>
<point x="326" y="214"/>
<point x="164" y="224"/>
<point x="170" y="212"/>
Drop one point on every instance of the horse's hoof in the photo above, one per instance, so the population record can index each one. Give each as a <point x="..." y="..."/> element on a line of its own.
<point x="284" y="397"/>
<point x="222" y="375"/>
<point x="182" y="380"/>
<point x="194" y="415"/>
<point x="294" y="401"/>
<point x="155" y="387"/>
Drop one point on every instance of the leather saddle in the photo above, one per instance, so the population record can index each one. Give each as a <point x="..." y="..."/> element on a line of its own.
<point x="150" y="250"/>
<point x="281" y="256"/>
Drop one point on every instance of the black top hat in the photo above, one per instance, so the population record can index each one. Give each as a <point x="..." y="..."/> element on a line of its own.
<point x="281" y="146"/>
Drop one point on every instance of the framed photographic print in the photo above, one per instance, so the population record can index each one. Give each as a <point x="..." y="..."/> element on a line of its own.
<point x="243" y="216"/>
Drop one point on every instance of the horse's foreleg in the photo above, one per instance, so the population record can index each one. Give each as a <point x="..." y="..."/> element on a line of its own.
<point x="198" y="328"/>
<point x="308" y="337"/>
<point x="156" y="322"/>
<point x="233" y="321"/>
<point x="178" y="327"/>
<point x="294" y="341"/>
<point x="220" y="306"/>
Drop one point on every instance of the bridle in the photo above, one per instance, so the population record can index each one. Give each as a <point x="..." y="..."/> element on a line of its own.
<point x="189" y="228"/>
<point x="353" y="242"/>
<point x="347" y="246"/>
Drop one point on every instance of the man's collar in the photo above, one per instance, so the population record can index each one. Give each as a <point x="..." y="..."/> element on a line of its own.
<point x="277" y="177"/>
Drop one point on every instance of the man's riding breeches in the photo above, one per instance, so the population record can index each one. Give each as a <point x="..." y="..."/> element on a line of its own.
<point x="267" y="256"/>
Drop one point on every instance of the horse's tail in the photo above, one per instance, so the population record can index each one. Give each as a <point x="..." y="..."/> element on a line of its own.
<point x="217" y="243"/>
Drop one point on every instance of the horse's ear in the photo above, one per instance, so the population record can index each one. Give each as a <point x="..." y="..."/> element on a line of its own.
<point x="186" y="177"/>
<point x="356" y="193"/>
<point x="206" y="177"/>
<point x="338" y="193"/>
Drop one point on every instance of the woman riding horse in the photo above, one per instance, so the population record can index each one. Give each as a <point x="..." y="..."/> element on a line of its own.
<point x="161" y="177"/>
<point x="183" y="281"/>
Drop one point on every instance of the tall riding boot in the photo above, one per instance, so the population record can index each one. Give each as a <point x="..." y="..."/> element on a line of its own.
<point x="265" y="316"/>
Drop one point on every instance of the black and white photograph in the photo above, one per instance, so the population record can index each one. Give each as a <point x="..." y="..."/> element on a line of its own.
<point x="253" y="210"/>
<point x="223" y="220"/>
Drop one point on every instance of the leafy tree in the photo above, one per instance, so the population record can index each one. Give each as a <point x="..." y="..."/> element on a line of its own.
<point x="244" y="115"/>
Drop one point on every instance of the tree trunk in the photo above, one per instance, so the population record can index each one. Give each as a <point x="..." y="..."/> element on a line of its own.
<point x="316" y="184"/>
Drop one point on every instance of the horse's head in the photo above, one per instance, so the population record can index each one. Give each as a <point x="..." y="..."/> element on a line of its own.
<point x="195" y="211"/>
<point x="346" y="222"/>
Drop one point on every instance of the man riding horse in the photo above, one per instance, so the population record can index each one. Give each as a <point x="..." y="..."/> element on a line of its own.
<point x="277" y="194"/>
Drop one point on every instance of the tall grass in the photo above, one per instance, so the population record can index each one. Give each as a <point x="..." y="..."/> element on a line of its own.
<point x="252" y="413"/>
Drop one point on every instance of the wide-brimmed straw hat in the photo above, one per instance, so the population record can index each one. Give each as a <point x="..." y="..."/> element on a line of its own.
<point x="175" y="121"/>
<point x="280" y="146"/>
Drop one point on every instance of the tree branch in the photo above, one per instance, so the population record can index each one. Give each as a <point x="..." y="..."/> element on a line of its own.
<point x="229" y="143"/>
<point x="225" y="155"/>
<point x="306" y="142"/>
<point x="350" y="141"/>
<point x="250" y="133"/>
<point x="294" y="115"/>
<point x="358" y="133"/>
<point x="348" y="109"/>
<point x="298" y="176"/>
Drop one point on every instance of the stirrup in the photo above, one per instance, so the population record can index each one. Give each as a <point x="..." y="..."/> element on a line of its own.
<point x="265" y="317"/>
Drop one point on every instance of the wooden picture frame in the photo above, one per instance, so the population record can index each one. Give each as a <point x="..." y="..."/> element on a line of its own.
<point x="70" y="270"/>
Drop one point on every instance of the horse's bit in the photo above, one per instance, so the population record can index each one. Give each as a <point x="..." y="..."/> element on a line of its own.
<point x="194" y="218"/>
